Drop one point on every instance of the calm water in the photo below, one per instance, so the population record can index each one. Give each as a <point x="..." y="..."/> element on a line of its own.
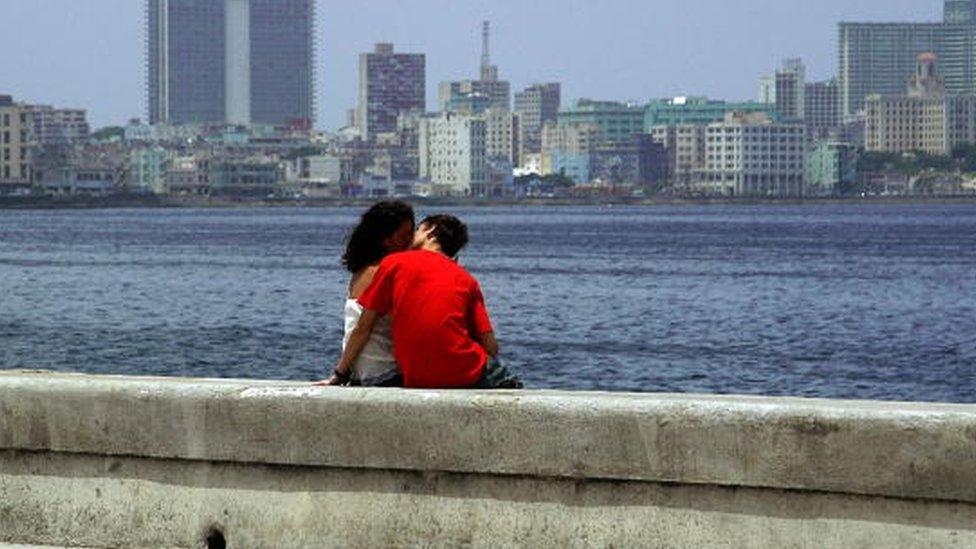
<point x="874" y="302"/>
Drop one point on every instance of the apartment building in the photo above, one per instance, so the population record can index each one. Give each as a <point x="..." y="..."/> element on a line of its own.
<point x="15" y="147"/>
<point x="453" y="155"/>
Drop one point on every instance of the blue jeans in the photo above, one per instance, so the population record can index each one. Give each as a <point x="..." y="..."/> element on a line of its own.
<point x="497" y="376"/>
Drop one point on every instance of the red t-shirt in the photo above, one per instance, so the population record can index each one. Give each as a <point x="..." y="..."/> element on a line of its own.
<point x="437" y="310"/>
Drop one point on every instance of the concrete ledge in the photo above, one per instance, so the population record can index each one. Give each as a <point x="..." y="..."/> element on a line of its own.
<point x="90" y="501"/>
<point x="924" y="451"/>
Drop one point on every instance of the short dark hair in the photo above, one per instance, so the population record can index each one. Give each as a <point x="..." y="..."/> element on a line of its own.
<point x="365" y="244"/>
<point x="450" y="232"/>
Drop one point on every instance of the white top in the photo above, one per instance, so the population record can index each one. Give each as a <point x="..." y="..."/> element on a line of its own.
<point x="376" y="364"/>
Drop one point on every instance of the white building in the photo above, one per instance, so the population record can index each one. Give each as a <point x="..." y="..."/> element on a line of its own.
<point x="453" y="155"/>
<point x="749" y="155"/>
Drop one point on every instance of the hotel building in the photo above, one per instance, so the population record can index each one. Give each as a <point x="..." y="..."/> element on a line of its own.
<point x="231" y="61"/>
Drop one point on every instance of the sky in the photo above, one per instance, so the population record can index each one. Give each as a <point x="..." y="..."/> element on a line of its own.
<point x="91" y="53"/>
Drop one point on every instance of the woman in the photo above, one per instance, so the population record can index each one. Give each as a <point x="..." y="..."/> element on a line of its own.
<point x="387" y="227"/>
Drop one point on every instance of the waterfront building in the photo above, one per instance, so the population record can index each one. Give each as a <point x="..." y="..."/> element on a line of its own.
<point x="390" y="84"/>
<point x="641" y="162"/>
<point x="822" y="107"/>
<point x="86" y="179"/>
<point x="927" y="118"/>
<point x="685" y="146"/>
<point x="678" y="111"/>
<point x="582" y="153"/>
<point x="146" y="171"/>
<point x="15" y="147"/>
<point x="188" y="175"/>
<point x="254" y="176"/>
<point x="318" y="176"/>
<point x="616" y="121"/>
<point x="494" y="93"/>
<point x="566" y="149"/>
<point x="653" y="160"/>
<point x="536" y="105"/>
<point x="786" y="89"/>
<point x="574" y="166"/>
<point x="57" y="127"/>
<point x="751" y="155"/>
<point x="830" y="166"/>
<point x="231" y="61"/>
<point x="501" y="178"/>
<point x="453" y="156"/>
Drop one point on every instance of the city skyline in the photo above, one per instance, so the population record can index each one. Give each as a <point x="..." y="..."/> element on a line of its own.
<point x="102" y="70"/>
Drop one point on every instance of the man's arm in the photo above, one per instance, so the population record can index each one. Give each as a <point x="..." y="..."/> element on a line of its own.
<point x="354" y="347"/>
<point x="489" y="343"/>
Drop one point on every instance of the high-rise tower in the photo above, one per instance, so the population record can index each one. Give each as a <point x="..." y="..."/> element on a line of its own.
<point x="960" y="12"/>
<point x="489" y="72"/>
<point x="390" y="84"/>
<point x="536" y="105"/>
<point x="488" y="92"/>
<point x="231" y="61"/>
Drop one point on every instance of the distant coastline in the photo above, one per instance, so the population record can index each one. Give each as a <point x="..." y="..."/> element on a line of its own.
<point x="154" y="201"/>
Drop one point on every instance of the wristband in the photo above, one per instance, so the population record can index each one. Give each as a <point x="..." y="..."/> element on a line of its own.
<point x="343" y="377"/>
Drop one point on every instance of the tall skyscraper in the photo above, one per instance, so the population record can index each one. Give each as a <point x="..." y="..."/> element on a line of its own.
<point x="786" y="89"/>
<point x="873" y="58"/>
<point x="822" y="106"/>
<point x="960" y="12"/>
<point x="535" y="106"/>
<point x="497" y="94"/>
<point x="390" y="84"/>
<point x="231" y="61"/>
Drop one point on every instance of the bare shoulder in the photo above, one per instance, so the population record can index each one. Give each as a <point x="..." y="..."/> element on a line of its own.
<point x="361" y="281"/>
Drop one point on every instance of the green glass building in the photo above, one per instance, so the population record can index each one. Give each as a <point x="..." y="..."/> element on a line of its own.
<point x="698" y="111"/>
<point x="618" y="122"/>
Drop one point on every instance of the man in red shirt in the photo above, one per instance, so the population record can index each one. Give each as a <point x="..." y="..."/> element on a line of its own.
<point x="442" y="335"/>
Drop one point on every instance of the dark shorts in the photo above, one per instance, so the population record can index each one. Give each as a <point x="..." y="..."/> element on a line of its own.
<point x="395" y="381"/>
<point x="497" y="376"/>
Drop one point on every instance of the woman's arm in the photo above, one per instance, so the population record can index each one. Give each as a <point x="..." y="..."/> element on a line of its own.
<point x="361" y="280"/>
<point x="354" y="347"/>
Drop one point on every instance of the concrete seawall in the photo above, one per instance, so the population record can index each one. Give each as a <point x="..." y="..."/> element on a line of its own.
<point x="105" y="461"/>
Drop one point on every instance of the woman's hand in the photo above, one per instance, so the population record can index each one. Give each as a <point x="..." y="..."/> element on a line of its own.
<point x="339" y="377"/>
<point x="333" y="381"/>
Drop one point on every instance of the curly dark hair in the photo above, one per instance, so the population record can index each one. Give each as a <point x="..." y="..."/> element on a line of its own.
<point x="365" y="244"/>
<point x="451" y="233"/>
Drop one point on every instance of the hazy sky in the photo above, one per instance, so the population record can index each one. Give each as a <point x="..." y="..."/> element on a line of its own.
<point x="90" y="53"/>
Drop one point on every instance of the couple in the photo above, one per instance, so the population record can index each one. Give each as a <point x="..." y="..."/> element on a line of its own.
<point x="414" y="317"/>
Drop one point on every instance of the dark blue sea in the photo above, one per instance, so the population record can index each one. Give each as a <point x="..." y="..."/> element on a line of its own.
<point x="847" y="301"/>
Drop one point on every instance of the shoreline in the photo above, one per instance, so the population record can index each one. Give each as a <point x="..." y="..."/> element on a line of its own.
<point x="154" y="201"/>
